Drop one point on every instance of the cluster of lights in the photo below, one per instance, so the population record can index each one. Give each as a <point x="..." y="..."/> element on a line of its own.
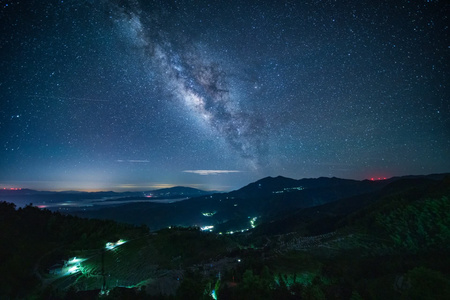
<point x="205" y="228"/>
<point x="13" y="189"/>
<point x="75" y="260"/>
<point x="233" y="232"/>
<point x="73" y="265"/>
<point x="252" y="222"/>
<point x="379" y="178"/>
<point x="297" y="188"/>
<point x="74" y="269"/>
<point x="209" y="214"/>
<point x="111" y="246"/>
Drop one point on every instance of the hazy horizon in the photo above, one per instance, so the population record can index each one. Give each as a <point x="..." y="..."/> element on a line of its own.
<point x="133" y="188"/>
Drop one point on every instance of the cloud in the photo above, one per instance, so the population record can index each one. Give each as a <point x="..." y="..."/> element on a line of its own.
<point x="211" y="172"/>
<point x="142" y="161"/>
<point x="149" y="186"/>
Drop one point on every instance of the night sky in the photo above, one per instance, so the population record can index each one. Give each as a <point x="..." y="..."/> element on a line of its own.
<point x="138" y="95"/>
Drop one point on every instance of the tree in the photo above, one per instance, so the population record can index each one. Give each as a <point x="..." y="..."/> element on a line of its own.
<point x="427" y="284"/>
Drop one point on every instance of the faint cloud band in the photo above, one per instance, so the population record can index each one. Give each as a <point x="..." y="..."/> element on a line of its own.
<point x="211" y="172"/>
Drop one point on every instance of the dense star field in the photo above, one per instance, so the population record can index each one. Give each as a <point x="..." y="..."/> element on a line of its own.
<point x="135" y="95"/>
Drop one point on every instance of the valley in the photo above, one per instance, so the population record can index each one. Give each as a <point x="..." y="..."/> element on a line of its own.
<point x="384" y="242"/>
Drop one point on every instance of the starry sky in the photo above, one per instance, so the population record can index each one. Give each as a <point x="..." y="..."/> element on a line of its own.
<point x="137" y="95"/>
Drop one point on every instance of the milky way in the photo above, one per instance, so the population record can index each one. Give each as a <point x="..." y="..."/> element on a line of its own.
<point x="201" y="84"/>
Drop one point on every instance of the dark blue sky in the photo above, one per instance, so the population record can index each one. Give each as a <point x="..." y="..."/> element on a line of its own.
<point x="124" y="95"/>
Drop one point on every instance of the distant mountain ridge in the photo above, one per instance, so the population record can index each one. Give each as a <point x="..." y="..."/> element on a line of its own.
<point x="330" y="216"/>
<point x="265" y="199"/>
<point x="173" y="190"/>
<point x="179" y="191"/>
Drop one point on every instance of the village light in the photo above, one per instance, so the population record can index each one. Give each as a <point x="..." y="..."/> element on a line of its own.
<point x="73" y="270"/>
<point x="74" y="260"/>
<point x="204" y="228"/>
<point x="252" y="222"/>
<point x="111" y="246"/>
